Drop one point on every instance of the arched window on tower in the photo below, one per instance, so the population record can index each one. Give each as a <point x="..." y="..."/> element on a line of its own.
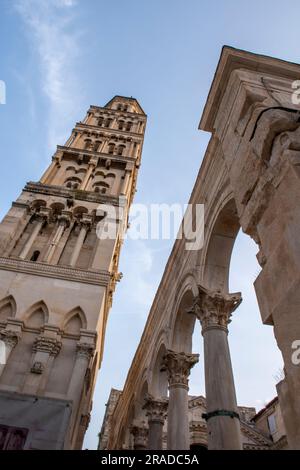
<point x="121" y="149"/>
<point x="35" y="255"/>
<point x="111" y="148"/>
<point x="121" y="125"/>
<point x="97" y="145"/>
<point x="129" y="126"/>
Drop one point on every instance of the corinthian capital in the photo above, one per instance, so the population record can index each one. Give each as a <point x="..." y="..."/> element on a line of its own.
<point x="65" y="218"/>
<point x="214" y="309"/>
<point x="85" y="350"/>
<point x="48" y="345"/>
<point x="140" y="434"/>
<point x="156" y="408"/>
<point x="178" y="367"/>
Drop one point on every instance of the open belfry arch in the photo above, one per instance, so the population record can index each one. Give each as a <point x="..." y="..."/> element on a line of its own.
<point x="57" y="278"/>
<point x="249" y="179"/>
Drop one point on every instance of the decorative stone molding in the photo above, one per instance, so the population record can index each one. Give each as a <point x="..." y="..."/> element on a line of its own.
<point x="101" y="278"/>
<point x="48" y="345"/>
<point x="37" y="368"/>
<point x="214" y="309"/>
<point x="178" y="367"/>
<point x="156" y="408"/>
<point x="58" y="191"/>
<point x="85" y="350"/>
<point x="10" y="338"/>
<point x="140" y="435"/>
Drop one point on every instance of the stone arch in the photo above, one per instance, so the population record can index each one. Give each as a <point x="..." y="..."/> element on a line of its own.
<point x="182" y="323"/>
<point x="8" y="308"/>
<point x="37" y="204"/>
<point x="219" y="246"/>
<point x="75" y="321"/>
<point x="78" y="211"/>
<point x="158" y="384"/>
<point x="57" y="207"/>
<point x="139" y="412"/>
<point x="37" y="315"/>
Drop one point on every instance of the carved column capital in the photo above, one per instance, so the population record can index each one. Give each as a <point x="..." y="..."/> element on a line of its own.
<point x="156" y="408"/>
<point x="214" y="309"/>
<point x="140" y="434"/>
<point x="85" y="350"/>
<point x="86" y="222"/>
<point x="10" y="338"/>
<point x="44" y="214"/>
<point x="178" y="367"/>
<point x="48" y="345"/>
<point x="65" y="218"/>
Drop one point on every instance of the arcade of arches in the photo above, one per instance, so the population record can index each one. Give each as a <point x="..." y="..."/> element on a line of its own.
<point x="249" y="179"/>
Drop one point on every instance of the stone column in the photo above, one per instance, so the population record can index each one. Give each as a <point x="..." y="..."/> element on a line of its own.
<point x="140" y="437"/>
<point x="41" y="217"/>
<point x="214" y="310"/>
<point x="125" y="182"/>
<point x="10" y="339"/>
<point x="63" y="222"/>
<point x="156" y="410"/>
<point x="92" y="165"/>
<point x="178" y="367"/>
<point x="85" y="223"/>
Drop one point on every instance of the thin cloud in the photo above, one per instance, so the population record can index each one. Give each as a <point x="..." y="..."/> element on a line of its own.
<point x="49" y="28"/>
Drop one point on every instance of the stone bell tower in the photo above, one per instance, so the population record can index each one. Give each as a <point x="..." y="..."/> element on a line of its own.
<point x="58" y="275"/>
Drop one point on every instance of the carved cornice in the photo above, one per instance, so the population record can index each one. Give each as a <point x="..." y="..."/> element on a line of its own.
<point x="100" y="278"/>
<point x="117" y="112"/>
<point x="92" y="153"/>
<point x="178" y="367"/>
<point x="156" y="409"/>
<point x="108" y="131"/>
<point x="59" y="191"/>
<point x="214" y="309"/>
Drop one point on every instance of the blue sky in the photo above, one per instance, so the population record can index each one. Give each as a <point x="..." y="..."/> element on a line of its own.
<point x="58" y="57"/>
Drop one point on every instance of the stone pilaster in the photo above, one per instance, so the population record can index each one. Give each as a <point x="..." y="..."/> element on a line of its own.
<point x="85" y="225"/>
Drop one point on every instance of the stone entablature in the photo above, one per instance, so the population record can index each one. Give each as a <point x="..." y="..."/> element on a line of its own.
<point x="57" y="272"/>
<point x="58" y="191"/>
<point x="87" y="154"/>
